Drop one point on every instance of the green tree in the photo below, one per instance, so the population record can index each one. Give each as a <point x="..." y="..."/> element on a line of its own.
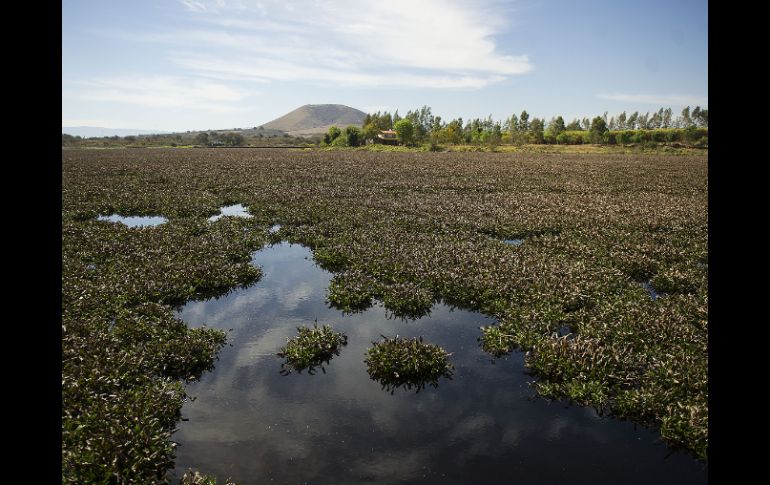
<point x="352" y="136"/>
<point x="598" y="129"/>
<point x="536" y="129"/>
<point x="405" y="131"/>
<point x="524" y="121"/>
<point x="202" y="139"/>
<point x="667" y="114"/>
<point x="620" y="121"/>
<point x="333" y="133"/>
<point x="555" y="128"/>
<point x="633" y="118"/>
<point x="574" y="125"/>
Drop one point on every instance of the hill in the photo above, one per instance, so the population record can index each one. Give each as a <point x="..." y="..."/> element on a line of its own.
<point x="313" y="119"/>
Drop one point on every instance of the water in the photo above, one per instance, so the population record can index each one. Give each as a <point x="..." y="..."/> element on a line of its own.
<point x="650" y="289"/>
<point x="237" y="210"/>
<point x="135" y="221"/>
<point x="514" y="242"/>
<point x="485" y="425"/>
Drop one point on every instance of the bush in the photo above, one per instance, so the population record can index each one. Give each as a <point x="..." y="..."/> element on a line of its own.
<point x="411" y="363"/>
<point x="311" y="348"/>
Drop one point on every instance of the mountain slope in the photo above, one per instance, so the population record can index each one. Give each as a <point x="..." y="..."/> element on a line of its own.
<point x="316" y="118"/>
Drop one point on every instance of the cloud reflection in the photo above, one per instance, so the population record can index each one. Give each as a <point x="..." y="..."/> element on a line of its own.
<point x="253" y="424"/>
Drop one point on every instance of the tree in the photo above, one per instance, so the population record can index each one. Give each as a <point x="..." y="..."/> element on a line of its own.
<point x="352" y="136"/>
<point x="667" y="114"/>
<point x="643" y="121"/>
<point x="632" y="120"/>
<point x="620" y="122"/>
<point x="333" y="133"/>
<point x="514" y="124"/>
<point x="454" y="131"/>
<point x="574" y="125"/>
<point x="202" y="138"/>
<point x="232" y="139"/>
<point x="405" y="131"/>
<point x="555" y="128"/>
<point x="369" y="132"/>
<point x="536" y="129"/>
<point x="655" y="120"/>
<point x="598" y="129"/>
<point x="524" y="121"/>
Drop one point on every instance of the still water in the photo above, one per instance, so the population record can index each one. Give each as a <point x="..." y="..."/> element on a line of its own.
<point x="485" y="425"/>
<point x="236" y="210"/>
<point x="135" y="221"/>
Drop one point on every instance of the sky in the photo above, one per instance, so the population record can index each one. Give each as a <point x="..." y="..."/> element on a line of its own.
<point x="187" y="65"/>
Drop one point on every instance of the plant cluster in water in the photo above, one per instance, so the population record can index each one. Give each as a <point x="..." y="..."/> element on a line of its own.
<point x="396" y="362"/>
<point x="311" y="348"/>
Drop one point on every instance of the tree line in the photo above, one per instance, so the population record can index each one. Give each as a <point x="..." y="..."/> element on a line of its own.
<point x="420" y="127"/>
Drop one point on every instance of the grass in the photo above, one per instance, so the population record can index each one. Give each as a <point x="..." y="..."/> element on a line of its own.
<point x="405" y="228"/>
<point x="398" y="362"/>
<point x="312" y="348"/>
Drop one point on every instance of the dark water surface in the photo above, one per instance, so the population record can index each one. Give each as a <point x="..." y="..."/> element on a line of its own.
<point x="485" y="425"/>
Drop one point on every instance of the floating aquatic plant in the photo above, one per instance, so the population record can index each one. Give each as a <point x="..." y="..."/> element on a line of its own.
<point x="594" y="225"/>
<point x="311" y="348"/>
<point x="396" y="362"/>
<point x="194" y="477"/>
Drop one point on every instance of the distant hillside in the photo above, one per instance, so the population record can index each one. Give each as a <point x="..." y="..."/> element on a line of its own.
<point x="89" y="131"/>
<point x="313" y="119"/>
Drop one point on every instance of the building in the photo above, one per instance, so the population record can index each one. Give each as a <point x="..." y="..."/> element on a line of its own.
<point x="387" y="137"/>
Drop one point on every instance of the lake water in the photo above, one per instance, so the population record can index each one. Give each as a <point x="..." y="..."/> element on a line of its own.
<point x="236" y="210"/>
<point x="485" y="425"/>
<point x="135" y="221"/>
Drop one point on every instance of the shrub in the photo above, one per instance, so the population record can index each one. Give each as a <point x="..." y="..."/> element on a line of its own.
<point x="311" y="348"/>
<point x="396" y="362"/>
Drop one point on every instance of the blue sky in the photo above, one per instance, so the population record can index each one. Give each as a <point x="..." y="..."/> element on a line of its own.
<point x="178" y="65"/>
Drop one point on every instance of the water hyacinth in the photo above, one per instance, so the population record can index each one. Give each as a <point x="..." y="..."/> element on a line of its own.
<point x="396" y="362"/>
<point x="311" y="348"/>
<point x="595" y="226"/>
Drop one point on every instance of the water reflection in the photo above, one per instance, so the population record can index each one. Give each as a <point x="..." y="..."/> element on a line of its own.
<point x="650" y="289"/>
<point x="236" y="210"/>
<point x="135" y="221"/>
<point x="484" y="425"/>
<point x="514" y="242"/>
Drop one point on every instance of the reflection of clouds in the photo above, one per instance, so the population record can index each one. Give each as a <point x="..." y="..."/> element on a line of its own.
<point x="253" y="424"/>
<point x="555" y="428"/>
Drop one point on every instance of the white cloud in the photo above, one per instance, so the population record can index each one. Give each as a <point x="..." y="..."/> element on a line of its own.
<point x="397" y="43"/>
<point x="658" y="99"/>
<point x="165" y="91"/>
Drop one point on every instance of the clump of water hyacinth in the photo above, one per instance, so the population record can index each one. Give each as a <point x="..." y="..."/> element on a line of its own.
<point x="595" y="226"/>
<point x="497" y="339"/>
<point x="407" y="300"/>
<point x="396" y="362"/>
<point x="197" y="478"/>
<point x="313" y="347"/>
